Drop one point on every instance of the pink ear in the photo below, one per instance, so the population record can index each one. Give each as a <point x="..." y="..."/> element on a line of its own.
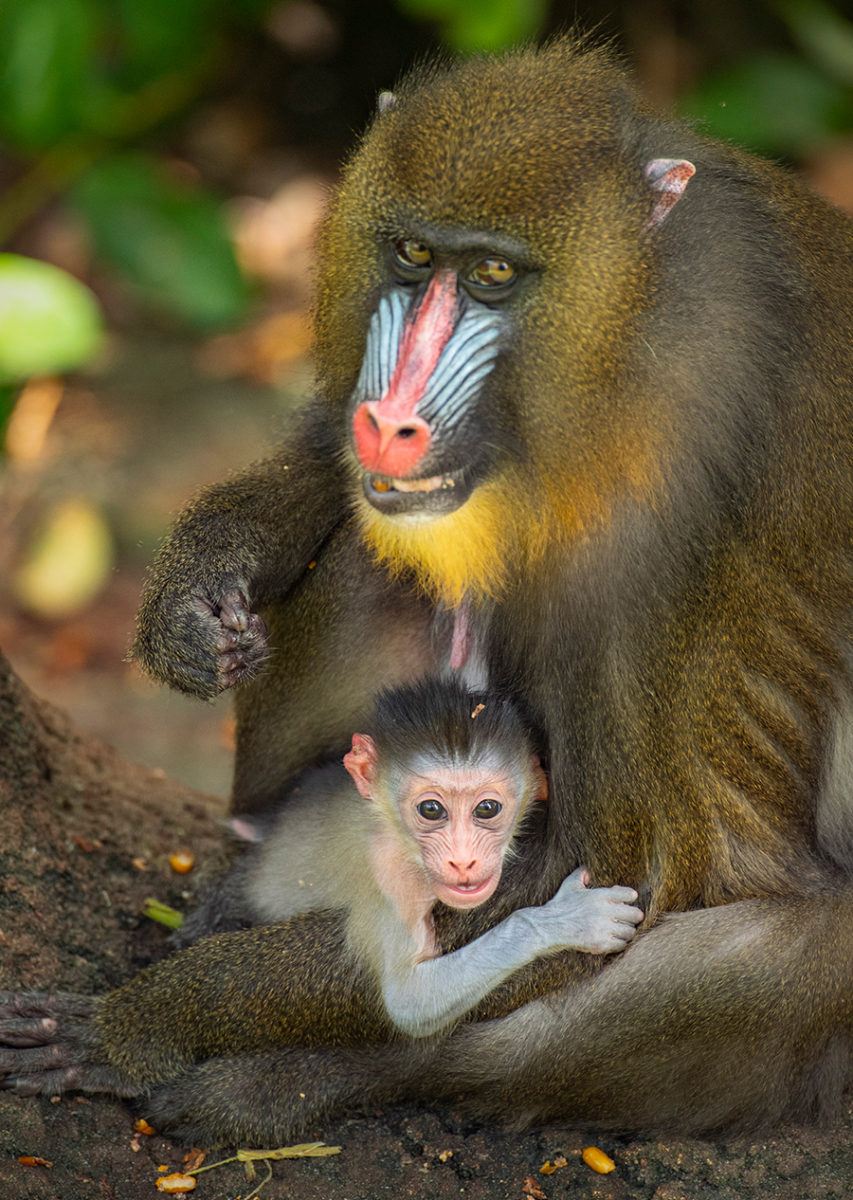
<point x="360" y="761"/>
<point x="668" y="177"/>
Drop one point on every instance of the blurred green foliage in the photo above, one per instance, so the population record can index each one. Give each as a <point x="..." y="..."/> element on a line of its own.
<point x="49" y="321"/>
<point x="167" y="238"/>
<point x="86" y="84"/>
<point x="472" y="25"/>
<point x="81" y="80"/>
<point x="784" y="103"/>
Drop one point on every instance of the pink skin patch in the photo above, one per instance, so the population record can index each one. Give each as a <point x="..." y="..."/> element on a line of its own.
<point x="390" y="439"/>
<point x="460" y="646"/>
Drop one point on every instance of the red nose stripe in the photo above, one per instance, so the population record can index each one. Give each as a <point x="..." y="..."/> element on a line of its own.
<point x="421" y="346"/>
<point x="389" y="438"/>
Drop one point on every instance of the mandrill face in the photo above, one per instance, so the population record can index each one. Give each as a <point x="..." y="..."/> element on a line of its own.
<point x="480" y="294"/>
<point x="432" y="344"/>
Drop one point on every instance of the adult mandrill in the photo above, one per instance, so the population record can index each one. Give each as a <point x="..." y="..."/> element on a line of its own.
<point x="583" y="432"/>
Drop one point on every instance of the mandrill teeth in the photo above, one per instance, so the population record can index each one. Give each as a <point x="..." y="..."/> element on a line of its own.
<point x="413" y="485"/>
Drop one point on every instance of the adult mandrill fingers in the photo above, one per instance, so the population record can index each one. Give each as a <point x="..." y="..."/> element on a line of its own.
<point x="234" y="611"/>
<point x="31" y="1061"/>
<point x="75" y="1078"/>
<point x="201" y="642"/>
<point x="237" y="637"/>
<point x="16" y="1005"/>
<point x="47" y="1039"/>
<point x="26" y="1031"/>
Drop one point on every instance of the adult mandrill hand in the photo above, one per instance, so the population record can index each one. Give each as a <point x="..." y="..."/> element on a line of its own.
<point x="49" y="1045"/>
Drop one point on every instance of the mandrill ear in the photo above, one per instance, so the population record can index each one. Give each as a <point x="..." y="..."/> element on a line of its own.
<point x="667" y="177"/>
<point x="360" y="761"/>
<point x="386" y="100"/>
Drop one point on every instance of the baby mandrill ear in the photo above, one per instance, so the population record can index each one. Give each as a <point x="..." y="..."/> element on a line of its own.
<point x="361" y="762"/>
<point x="539" y="777"/>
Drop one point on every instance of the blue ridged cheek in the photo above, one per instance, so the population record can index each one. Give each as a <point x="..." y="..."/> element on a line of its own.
<point x="465" y="363"/>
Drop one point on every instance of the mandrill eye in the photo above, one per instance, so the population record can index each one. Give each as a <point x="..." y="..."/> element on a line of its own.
<point x="431" y="810"/>
<point x="493" y="273"/>
<point x="412" y="255"/>
<point x="487" y="809"/>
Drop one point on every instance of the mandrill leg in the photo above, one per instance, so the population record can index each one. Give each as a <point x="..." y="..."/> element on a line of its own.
<point x="723" y="1018"/>
<point x="280" y="1096"/>
<point x="718" y="1019"/>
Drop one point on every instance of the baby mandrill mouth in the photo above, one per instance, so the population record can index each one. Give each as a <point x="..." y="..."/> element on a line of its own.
<point x="468" y="895"/>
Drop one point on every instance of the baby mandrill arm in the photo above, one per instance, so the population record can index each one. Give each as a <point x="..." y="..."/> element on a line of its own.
<point x="423" y="998"/>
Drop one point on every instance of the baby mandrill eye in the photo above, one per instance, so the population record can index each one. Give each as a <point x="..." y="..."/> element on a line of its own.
<point x="431" y="810"/>
<point x="487" y="808"/>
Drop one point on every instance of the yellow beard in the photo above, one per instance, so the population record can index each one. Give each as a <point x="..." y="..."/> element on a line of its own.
<point x="507" y="527"/>
<point x="465" y="553"/>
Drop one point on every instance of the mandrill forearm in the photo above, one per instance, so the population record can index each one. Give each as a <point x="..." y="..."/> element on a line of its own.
<point x="222" y="996"/>
<point x="241" y="545"/>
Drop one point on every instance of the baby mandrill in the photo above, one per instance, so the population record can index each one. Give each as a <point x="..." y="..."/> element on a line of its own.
<point x="446" y="778"/>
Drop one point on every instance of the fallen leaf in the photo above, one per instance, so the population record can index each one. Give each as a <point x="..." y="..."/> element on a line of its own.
<point x="193" y="1159"/>
<point x="303" y="1150"/>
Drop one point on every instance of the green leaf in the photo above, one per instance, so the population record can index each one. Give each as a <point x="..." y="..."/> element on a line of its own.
<point x="481" y="25"/>
<point x="46" y="65"/>
<point x="48" y="320"/>
<point x="156" y="36"/>
<point x="775" y="104"/>
<point x="168" y="239"/>
<point x="162" y="913"/>
<point x="823" y="34"/>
